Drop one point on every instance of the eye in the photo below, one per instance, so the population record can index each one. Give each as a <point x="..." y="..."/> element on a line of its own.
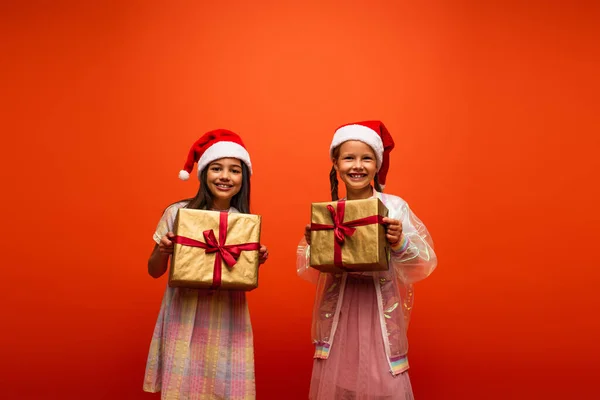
<point x="216" y="169"/>
<point x="236" y="171"/>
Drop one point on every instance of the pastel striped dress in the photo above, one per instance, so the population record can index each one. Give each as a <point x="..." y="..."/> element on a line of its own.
<point x="202" y="346"/>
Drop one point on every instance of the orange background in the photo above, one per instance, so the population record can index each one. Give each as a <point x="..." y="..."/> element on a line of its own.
<point x="494" y="109"/>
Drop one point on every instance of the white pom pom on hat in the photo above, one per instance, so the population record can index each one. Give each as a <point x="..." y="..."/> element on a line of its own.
<point x="184" y="175"/>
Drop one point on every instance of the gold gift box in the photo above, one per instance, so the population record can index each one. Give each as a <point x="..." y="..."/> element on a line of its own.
<point x="366" y="250"/>
<point x="193" y="267"/>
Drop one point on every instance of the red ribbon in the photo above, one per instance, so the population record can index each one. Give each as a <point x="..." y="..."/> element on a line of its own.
<point x="342" y="229"/>
<point x="228" y="253"/>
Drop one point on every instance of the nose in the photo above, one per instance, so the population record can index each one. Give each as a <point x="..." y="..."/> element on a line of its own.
<point x="224" y="176"/>
<point x="357" y="165"/>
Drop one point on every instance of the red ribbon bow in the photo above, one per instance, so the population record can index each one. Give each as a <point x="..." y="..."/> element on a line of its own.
<point x="228" y="253"/>
<point x="342" y="229"/>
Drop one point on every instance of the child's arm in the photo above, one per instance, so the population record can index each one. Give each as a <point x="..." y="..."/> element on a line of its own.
<point x="157" y="263"/>
<point x="159" y="259"/>
<point x="413" y="257"/>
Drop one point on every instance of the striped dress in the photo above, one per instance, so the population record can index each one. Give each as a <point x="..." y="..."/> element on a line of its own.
<point x="202" y="346"/>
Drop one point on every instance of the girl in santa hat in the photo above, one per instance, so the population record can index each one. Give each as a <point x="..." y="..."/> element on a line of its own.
<point x="360" y="320"/>
<point x="202" y="346"/>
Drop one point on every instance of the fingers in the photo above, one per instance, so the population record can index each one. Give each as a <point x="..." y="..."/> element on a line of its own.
<point x="263" y="254"/>
<point x="391" y="222"/>
<point x="392" y="239"/>
<point x="166" y="241"/>
<point x="393" y="229"/>
<point x="307" y="233"/>
<point x="166" y="245"/>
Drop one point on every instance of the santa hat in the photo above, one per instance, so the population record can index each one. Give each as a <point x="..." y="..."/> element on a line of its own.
<point x="213" y="145"/>
<point x="373" y="133"/>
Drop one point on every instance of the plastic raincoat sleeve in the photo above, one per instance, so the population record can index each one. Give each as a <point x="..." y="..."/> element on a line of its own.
<point x="303" y="263"/>
<point x="418" y="260"/>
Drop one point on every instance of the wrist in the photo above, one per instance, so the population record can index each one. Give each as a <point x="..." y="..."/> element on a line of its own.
<point x="401" y="245"/>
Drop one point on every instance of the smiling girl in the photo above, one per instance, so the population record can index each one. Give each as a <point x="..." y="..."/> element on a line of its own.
<point x="366" y="314"/>
<point x="202" y="346"/>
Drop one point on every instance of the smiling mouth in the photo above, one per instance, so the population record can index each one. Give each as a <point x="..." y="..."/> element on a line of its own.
<point x="357" y="176"/>
<point x="223" y="186"/>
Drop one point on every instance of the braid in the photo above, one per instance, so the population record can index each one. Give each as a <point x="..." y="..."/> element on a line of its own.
<point x="333" y="181"/>
<point x="377" y="184"/>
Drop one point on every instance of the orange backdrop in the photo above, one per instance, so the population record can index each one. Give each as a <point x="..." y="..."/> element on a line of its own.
<point x="494" y="111"/>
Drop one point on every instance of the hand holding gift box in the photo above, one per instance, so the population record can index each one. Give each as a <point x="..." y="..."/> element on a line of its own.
<point x="349" y="236"/>
<point x="215" y="250"/>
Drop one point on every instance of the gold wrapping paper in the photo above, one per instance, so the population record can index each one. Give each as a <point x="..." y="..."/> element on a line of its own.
<point x="366" y="250"/>
<point x="192" y="267"/>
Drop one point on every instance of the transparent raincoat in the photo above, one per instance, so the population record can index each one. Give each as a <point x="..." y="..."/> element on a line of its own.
<point x="394" y="290"/>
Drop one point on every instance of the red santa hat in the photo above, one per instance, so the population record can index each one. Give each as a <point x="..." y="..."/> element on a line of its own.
<point x="213" y="145"/>
<point x="373" y="133"/>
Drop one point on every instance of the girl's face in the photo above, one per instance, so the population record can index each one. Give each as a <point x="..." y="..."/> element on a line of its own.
<point x="224" y="178"/>
<point x="356" y="164"/>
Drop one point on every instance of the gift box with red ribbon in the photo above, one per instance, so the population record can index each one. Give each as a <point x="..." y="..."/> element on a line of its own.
<point x="349" y="236"/>
<point x="215" y="250"/>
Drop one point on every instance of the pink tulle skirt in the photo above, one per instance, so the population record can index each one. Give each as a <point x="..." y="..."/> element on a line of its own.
<point x="357" y="367"/>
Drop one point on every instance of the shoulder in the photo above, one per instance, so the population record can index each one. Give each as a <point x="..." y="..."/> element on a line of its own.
<point x="392" y="201"/>
<point x="398" y="207"/>
<point x="178" y="205"/>
<point x="168" y="218"/>
<point x="171" y="211"/>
